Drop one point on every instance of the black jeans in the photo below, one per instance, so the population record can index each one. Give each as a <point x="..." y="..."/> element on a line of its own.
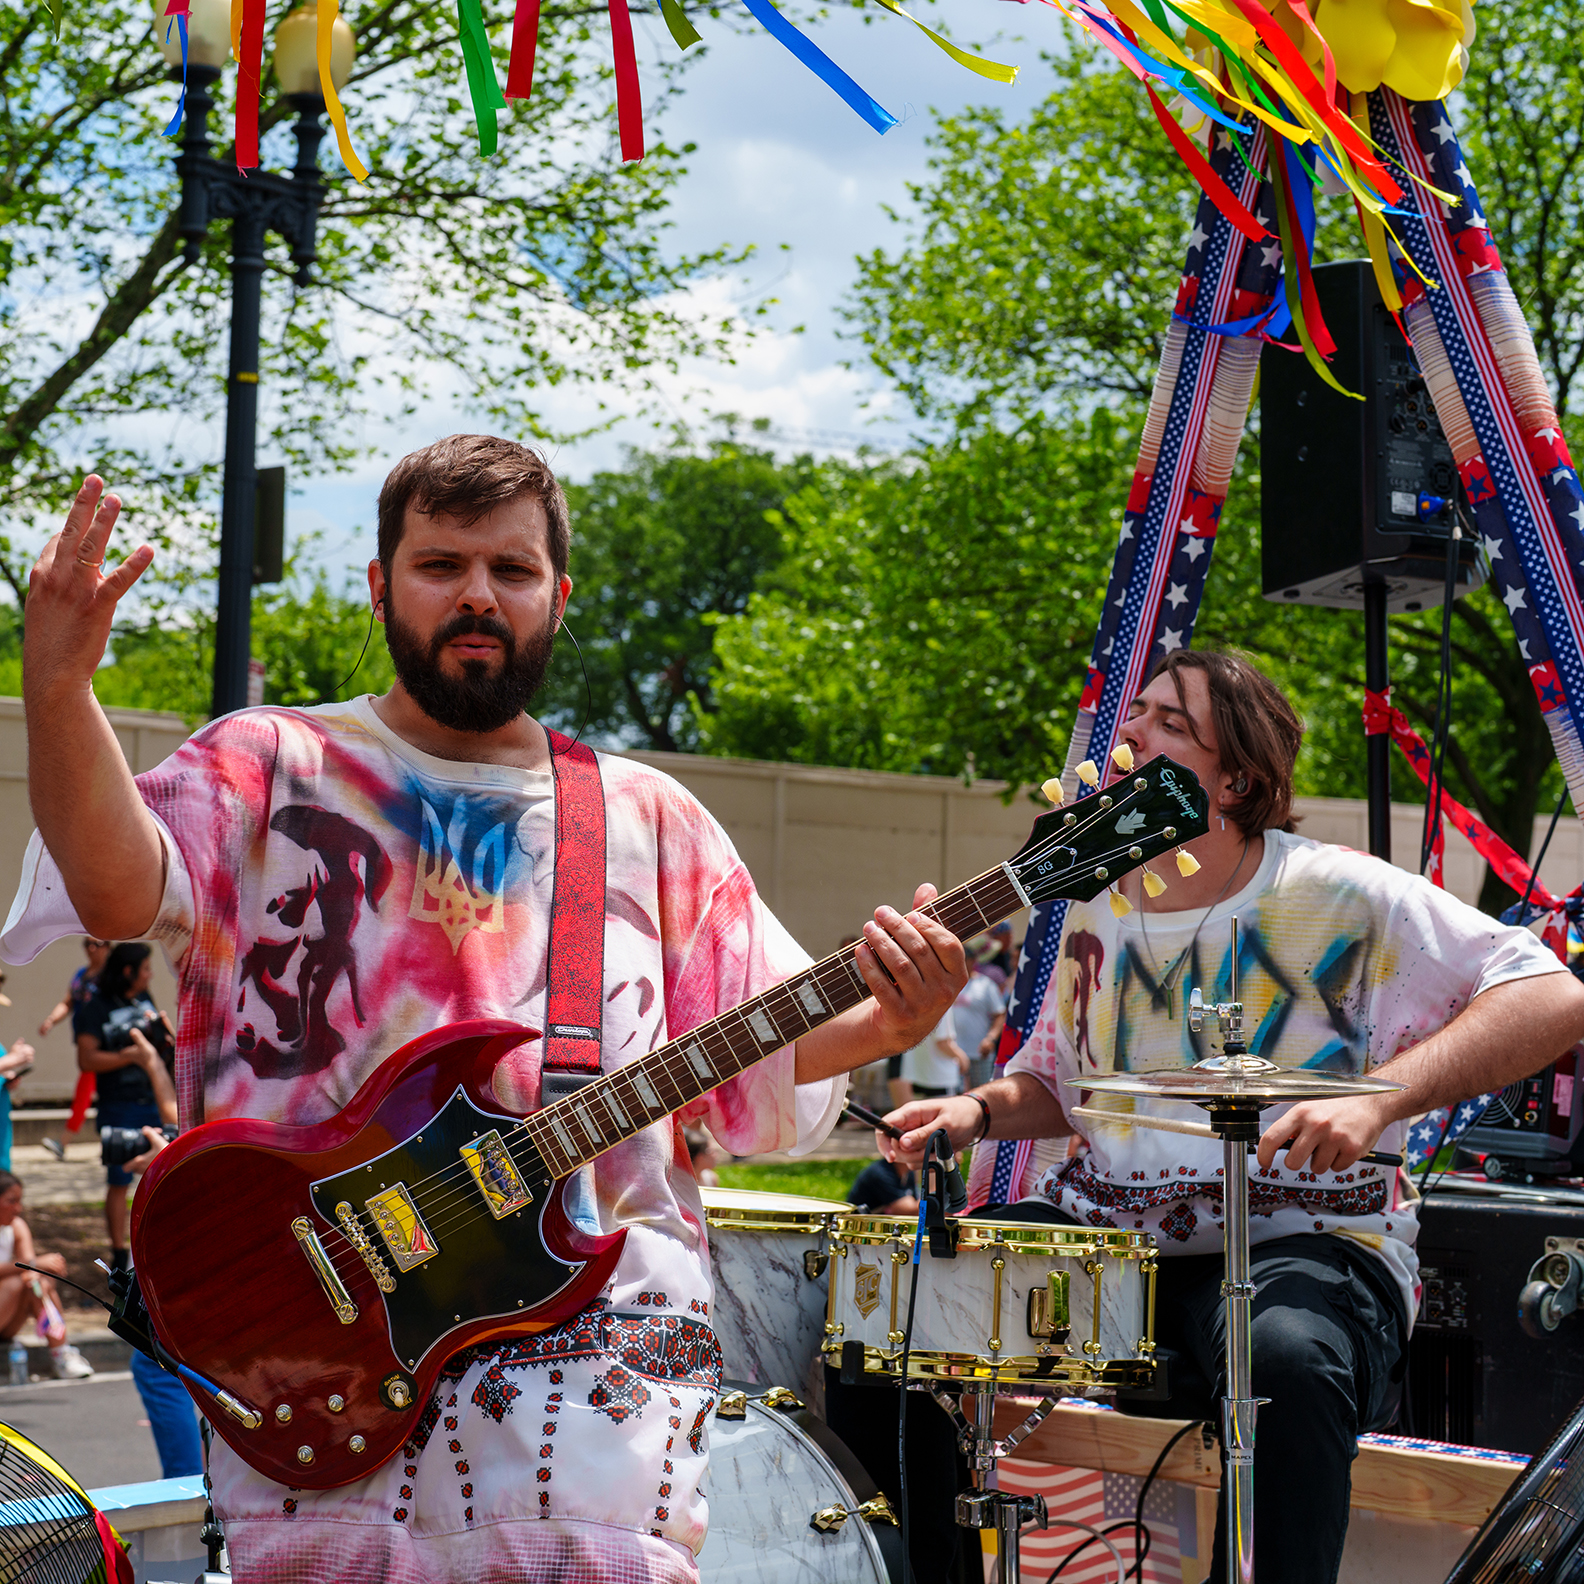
<point x="1330" y="1342"/>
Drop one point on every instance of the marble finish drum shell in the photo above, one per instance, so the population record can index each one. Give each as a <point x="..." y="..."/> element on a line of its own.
<point x="996" y="1309"/>
<point x="769" y="1474"/>
<point x="768" y="1312"/>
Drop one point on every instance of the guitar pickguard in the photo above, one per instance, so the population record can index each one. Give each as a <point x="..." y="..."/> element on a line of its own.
<point x="450" y="1217"/>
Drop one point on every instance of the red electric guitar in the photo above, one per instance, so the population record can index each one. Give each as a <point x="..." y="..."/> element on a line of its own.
<point x="313" y="1280"/>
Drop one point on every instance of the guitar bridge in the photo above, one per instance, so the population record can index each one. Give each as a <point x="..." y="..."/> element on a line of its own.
<point x="334" y="1288"/>
<point x="377" y="1268"/>
<point x="496" y="1174"/>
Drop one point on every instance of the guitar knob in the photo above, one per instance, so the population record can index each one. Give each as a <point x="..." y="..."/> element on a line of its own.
<point x="283" y="1413"/>
<point x="305" y="1454"/>
<point x="1122" y="757"/>
<point x="1052" y="790"/>
<point x="356" y="1444"/>
<point x="1187" y="864"/>
<point x="1153" y="884"/>
<point x="1088" y="774"/>
<point x="1120" y="904"/>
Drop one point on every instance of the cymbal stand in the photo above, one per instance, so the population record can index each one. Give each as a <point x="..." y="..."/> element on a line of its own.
<point x="983" y="1508"/>
<point x="1237" y="1123"/>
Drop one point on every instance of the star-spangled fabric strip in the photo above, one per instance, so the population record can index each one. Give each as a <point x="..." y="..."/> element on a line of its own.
<point x="1479" y="362"/>
<point x="1190" y="440"/>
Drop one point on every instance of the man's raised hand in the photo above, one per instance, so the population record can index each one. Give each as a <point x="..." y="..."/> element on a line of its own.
<point x="71" y="601"/>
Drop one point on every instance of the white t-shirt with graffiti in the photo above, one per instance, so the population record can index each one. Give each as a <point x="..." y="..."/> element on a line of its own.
<point x="1344" y="962"/>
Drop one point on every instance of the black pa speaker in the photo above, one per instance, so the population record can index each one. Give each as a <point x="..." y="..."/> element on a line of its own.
<point x="1477" y="1375"/>
<point x="1356" y="491"/>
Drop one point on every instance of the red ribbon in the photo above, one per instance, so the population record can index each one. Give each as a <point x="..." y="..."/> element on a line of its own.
<point x="1215" y="189"/>
<point x="249" y="74"/>
<point x="629" y="102"/>
<point x="525" y="42"/>
<point x="1381" y="719"/>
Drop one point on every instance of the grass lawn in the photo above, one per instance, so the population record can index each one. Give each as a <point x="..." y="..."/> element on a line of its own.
<point x="816" y="1179"/>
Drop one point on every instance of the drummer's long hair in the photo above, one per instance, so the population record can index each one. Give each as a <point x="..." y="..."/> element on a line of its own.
<point x="1257" y="733"/>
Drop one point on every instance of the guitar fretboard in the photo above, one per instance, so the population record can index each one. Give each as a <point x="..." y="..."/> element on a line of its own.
<point x="614" y="1107"/>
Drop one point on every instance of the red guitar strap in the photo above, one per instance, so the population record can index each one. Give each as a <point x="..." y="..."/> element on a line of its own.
<point x="576" y="969"/>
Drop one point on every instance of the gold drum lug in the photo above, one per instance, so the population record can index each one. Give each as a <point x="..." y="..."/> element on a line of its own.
<point x="1096" y="1269"/>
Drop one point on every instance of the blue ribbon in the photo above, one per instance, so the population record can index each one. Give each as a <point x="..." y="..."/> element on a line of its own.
<point x="181" y="104"/>
<point x="1173" y="75"/>
<point x="821" y="65"/>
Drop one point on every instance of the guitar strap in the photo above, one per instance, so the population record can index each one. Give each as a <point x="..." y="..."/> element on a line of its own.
<point x="575" y="972"/>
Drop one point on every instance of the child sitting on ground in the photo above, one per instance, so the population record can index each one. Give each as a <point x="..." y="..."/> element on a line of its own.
<point x="27" y="1295"/>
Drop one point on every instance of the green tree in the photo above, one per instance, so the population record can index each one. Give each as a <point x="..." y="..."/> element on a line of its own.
<point x="663" y="549"/>
<point x="934" y="615"/>
<point x="510" y="278"/>
<point x="1036" y="277"/>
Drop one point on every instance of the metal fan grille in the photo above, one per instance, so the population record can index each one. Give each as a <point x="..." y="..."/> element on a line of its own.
<point x="1543" y="1543"/>
<point x="47" y="1531"/>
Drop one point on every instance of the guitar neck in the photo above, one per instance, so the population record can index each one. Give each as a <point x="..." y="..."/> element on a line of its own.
<point x="601" y="1114"/>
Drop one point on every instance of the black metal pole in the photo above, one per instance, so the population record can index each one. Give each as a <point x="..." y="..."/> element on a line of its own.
<point x="1377" y="749"/>
<point x="234" y="607"/>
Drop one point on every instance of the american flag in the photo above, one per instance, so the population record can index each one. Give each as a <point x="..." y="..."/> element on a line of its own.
<point x="1098" y="1499"/>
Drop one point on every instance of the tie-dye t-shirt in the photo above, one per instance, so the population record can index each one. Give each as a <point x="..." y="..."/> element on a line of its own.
<point x="1344" y="963"/>
<point x="333" y="892"/>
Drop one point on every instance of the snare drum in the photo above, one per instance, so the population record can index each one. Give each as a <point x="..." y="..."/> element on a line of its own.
<point x="769" y="1252"/>
<point x="1019" y="1301"/>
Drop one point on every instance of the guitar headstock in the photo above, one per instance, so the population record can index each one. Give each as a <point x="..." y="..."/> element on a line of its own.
<point x="1078" y="851"/>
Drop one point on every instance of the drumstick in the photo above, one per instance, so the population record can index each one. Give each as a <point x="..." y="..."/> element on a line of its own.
<point x="1198" y="1130"/>
<point x="863" y="1114"/>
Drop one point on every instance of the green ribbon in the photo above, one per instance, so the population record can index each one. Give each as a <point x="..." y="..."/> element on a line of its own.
<point x="683" y="31"/>
<point x="483" y="89"/>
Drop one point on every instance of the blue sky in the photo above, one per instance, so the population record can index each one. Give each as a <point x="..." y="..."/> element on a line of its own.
<point x="783" y="164"/>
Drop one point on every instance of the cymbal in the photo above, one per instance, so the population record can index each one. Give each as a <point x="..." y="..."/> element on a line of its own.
<point x="1234" y="1078"/>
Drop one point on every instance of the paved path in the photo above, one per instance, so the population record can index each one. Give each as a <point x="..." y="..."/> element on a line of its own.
<point x="95" y="1429"/>
<point x="79" y="1179"/>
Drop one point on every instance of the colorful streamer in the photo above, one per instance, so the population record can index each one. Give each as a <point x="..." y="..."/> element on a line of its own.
<point x="629" y="104"/>
<point x="823" y="67"/>
<point x="250" y="72"/>
<point x="524" y="46"/>
<point x="178" y="10"/>
<point x="483" y="89"/>
<point x="329" y="10"/>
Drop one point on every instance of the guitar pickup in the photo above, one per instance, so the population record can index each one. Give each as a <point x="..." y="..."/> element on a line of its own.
<point x="403" y="1229"/>
<point x="496" y="1174"/>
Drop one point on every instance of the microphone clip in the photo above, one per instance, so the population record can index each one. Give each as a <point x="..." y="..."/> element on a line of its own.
<point x="943" y="1195"/>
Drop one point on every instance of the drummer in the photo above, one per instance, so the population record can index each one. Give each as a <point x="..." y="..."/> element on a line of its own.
<point x="1347" y="965"/>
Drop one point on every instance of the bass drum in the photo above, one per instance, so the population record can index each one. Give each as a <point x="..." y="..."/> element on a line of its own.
<point x="789" y="1504"/>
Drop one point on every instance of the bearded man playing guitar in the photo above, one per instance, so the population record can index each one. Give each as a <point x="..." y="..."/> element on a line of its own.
<point x="333" y="882"/>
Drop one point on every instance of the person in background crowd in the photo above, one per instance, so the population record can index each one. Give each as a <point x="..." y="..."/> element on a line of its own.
<point x="705" y="1154"/>
<point x="1002" y="963"/>
<point x="979" y="1011"/>
<point x="937" y="1065"/>
<point x="126" y="1041"/>
<point x="77" y="994"/>
<point x="883" y="1190"/>
<point x="13" y="1063"/>
<point x="82" y="983"/>
<point x="26" y="1295"/>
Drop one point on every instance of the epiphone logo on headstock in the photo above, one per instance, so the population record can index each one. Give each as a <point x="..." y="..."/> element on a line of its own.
<point x="1175" y="789"/>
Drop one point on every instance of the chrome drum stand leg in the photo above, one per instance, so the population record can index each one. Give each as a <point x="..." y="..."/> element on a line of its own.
<point x="978" y="1509"/>
<point x="1237" y="1125"/>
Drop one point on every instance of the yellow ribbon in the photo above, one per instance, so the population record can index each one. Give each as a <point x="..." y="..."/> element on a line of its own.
<point x="329" y="10"/>
<point x="994" y="70"/>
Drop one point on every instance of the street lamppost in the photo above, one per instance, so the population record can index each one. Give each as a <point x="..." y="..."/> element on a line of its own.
<point x="255" y="203"/>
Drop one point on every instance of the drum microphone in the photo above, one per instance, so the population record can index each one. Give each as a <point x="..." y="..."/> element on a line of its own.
<point x="942" y="1193"/>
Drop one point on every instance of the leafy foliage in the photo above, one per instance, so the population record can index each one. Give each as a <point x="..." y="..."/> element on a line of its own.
<point x="503" y="279"/>
<point x="663" y="549"/>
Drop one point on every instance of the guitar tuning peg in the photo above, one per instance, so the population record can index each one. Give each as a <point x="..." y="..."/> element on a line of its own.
<point x="1122" y="757"/>
<point x="1187" y="864"/>
<point x="1053" y="791"/>
<point x="1088" y="773"/>
<point x="1120" y="905"/>
<point x="1153" y="884"/>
